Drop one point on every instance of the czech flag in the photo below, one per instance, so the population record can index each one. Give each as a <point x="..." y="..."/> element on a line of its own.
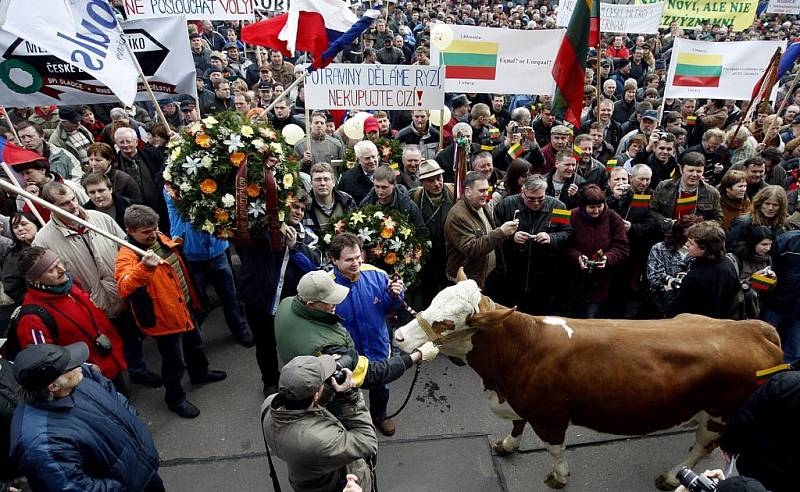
<point x="14" y="154"/>
<point x="322" y="27"/>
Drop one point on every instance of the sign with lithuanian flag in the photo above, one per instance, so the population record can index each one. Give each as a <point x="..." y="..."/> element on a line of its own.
<point x="491" y="60"/>
<point x="705" y="69"/>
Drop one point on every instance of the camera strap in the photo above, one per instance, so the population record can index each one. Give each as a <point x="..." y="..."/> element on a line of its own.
<point x="276" y="486"/>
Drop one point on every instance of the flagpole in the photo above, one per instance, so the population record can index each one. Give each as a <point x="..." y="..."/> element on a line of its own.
<point x="13" y="178"/>
<point x="141" y="73"/>
<point x="597" y="84"/>
<point x="10" y="124"/>
<point x="69" y="216"/>
<point x="789" y="92"/>
<point x="775" y="58"/>
<point x="286" y="91"/>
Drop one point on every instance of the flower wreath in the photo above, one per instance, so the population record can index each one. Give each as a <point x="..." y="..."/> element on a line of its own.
<point x="390" y="241"/>
<point x="217" y="174"/>
<point x="390" y="152"/>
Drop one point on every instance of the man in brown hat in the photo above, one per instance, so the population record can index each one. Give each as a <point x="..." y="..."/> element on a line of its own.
<point x="434" y="198"/>
<point x="559" y="140"/>
<point x="318" y="447"/>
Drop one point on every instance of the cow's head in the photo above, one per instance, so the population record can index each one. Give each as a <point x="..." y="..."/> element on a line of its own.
<point x="459" y="307"/>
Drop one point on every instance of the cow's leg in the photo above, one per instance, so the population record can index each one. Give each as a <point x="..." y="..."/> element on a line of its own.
<point x="510" y="443"/>
<point x="553" y="436"/>
<point x="706" y="439"/>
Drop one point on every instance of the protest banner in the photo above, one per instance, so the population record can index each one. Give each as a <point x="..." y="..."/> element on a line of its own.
<point x="82" y="34"/>
<point x="273" y="6"/>
<point x="30" y="76"/>
<point x="705" y="69"/>
<point x="503" y="61"/>
<point x="192" y="9"/>
<point x="348" y="86"/>
<point x="737" y="15"/>
<point x="636" y="19"/>
<point x="791" y="7"/>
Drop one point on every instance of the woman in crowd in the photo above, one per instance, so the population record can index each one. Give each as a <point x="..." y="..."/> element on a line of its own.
<point x="752" y="256"/>
<point x="733" y="197"/>
<point x="73" y="316"/>
<point x="769" y="208"/>
<point x="668" y="261"/>
<point x="516" y="174"/>
<point x="599" y="244"/>
<point x="102" y="160"/>
<point x="711" y="286"/>
<point x="24" y="227"/>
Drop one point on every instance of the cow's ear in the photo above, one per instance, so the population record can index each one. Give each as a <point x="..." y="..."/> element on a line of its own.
<point x="460" y="276"/>
<point x="489" y="319"/>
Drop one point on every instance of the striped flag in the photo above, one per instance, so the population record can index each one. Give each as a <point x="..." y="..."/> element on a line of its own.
<point x="763" y="375"/>
<point x="640" y="201"/>
<point x="515" y="151"/>
<point x="466" y="59"/>
<point x="611" y="164"/>
<point x="487" y="148"/>
<point x="762" y="282"/>
<point x="698" y="70"/>
<point x="691" y="120"/>
<point x="569" y="67"/>
<point x="560" y="216"/>
<point x="494" y="133"/>
<point x="577" y="152"/>
<point x="763" y="88"/>
<point x="685" y="205"/>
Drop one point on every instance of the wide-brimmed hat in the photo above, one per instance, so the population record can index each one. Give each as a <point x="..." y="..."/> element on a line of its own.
<point x="429" y="169"/>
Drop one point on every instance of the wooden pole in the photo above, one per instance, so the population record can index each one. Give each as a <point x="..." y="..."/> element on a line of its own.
<point x="13" y="178"/>
<point x="285" y="91"/>
<point x="69" y="216"/>
<point x="597" y="84"/>
<point x="441" y="128"/>
<point x="789" y="92"/>
<point x="10" y="124"/>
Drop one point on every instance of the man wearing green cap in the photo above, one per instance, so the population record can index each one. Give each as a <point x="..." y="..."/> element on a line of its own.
<point x="319" y="448"/>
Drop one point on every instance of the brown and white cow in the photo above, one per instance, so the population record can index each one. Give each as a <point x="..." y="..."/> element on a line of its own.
<point x="615" y="376"/>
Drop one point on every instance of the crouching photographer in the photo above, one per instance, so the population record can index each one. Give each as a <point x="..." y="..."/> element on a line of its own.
<point x="319" y="448"/>
<point x="715" y="481"/>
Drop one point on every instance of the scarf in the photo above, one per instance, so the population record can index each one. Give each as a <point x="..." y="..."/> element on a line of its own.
<point x="59" y="290"/>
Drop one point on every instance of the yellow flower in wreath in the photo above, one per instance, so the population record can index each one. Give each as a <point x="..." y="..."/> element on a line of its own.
<point x="208" y="186"/>
<point x="288" y="181"/>
<point x="390" y="259"/>
<point x="386" y="233"/>
<point x="221" y="215"/>
<point x="203" y="140"/>
<point x="237" y="158"/>
<point x="253" y="190"/>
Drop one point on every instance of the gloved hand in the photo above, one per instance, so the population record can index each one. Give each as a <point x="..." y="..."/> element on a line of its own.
<point x="429" y="351"/>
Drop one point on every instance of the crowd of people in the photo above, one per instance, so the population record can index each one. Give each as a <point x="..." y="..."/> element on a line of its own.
<point x="652" y="207"/>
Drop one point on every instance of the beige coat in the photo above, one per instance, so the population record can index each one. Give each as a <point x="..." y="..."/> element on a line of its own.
<point x="89" y="257"/>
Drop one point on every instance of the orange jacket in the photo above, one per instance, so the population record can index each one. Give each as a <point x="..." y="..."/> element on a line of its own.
<point x="164" y="287"/>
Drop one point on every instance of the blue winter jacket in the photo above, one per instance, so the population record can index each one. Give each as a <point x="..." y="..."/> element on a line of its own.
<point x="364" y="310"/>
<point x="92" y="440"/>
<point x="197" y="245"/>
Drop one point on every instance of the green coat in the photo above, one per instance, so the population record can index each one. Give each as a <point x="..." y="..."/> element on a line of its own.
<point x="300" y="330"/>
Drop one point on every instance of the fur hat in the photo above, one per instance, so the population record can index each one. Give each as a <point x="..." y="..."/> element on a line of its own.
<point x="630" y="85"/>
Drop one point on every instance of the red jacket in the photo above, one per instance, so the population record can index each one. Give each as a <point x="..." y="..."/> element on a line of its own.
<point x="78" y="320"/>
<point x="607" y="232"/>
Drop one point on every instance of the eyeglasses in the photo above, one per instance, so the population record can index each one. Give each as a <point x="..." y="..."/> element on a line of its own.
<point x="534" y="199"/>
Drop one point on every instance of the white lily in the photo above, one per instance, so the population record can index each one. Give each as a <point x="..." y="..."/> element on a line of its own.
<point x="365" y="233"/>
<point x="395" y="244"/>
<point x="257" y="208"/>
<point x="234" y="142"/>
<point x="191" y="165"/>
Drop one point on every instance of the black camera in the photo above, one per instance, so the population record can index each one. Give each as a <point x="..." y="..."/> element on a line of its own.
<point x="104" y="345"/>
<point x="591" y="265"/>
<point x="339" y="375"/>
<point x="694" y="482"/>
<point x="676" y="282"/>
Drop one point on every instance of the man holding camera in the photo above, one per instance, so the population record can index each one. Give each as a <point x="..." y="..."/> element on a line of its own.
<point x="319" y="448"/>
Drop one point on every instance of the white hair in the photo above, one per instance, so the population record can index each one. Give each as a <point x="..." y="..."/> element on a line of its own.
<point x="462" y="127"/>
<point x="118" y="114"/>
<point x="364" y="146"/>
<point x="123" y="131"/>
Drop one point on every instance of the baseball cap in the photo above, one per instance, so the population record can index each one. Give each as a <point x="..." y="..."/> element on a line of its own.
<point x="796" y="120"/>
<point x="230" y="44"/>
<point x="39" y="365"/>
<point x="559" y="130"/>
<point x="188" y="105"/>
<point x="69" y="113"/>
<point x="265" y="86"/>
<point x="650" y="114"/>
<point x="371" y="125"/>
<point x="319" y="286"/>
<point x="302" y="376"/>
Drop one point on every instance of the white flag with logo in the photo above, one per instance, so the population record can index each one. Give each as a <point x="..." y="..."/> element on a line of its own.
<point x="83" y="33"/>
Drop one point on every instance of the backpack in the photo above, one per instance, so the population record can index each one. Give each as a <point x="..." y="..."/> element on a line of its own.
<point x="11" y="348"/>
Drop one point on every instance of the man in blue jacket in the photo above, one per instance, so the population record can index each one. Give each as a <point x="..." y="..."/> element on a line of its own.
<point x="73" y="431"/>
<point x="372" y="296"/>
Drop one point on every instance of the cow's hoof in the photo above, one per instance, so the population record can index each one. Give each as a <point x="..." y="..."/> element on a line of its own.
<point x="664" y="482"/>
<point x="501" y="450"/>
<point x="554" y="481"/>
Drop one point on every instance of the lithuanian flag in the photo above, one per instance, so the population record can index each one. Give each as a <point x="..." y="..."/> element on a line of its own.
<point x="698" y="70"/>
<point x="577" y="152"/>
<point x="560" y="216"/>
<point x="640" y="201"/>
<point x="691" y="120"/>
<point x="762" y="282"/>
<point x="611" y="164"/>
<point x="685" y="205"/>
<point x="494" y="133"/>
<point x="763" y="375"/>
<point x="569" y="67"/>
<point x="465" y="59"/>
<point x="515" y="151"/>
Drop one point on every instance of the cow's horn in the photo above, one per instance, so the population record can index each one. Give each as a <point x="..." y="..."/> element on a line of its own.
<point x="460" y="276"/>
<point x="489" y="319"/>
